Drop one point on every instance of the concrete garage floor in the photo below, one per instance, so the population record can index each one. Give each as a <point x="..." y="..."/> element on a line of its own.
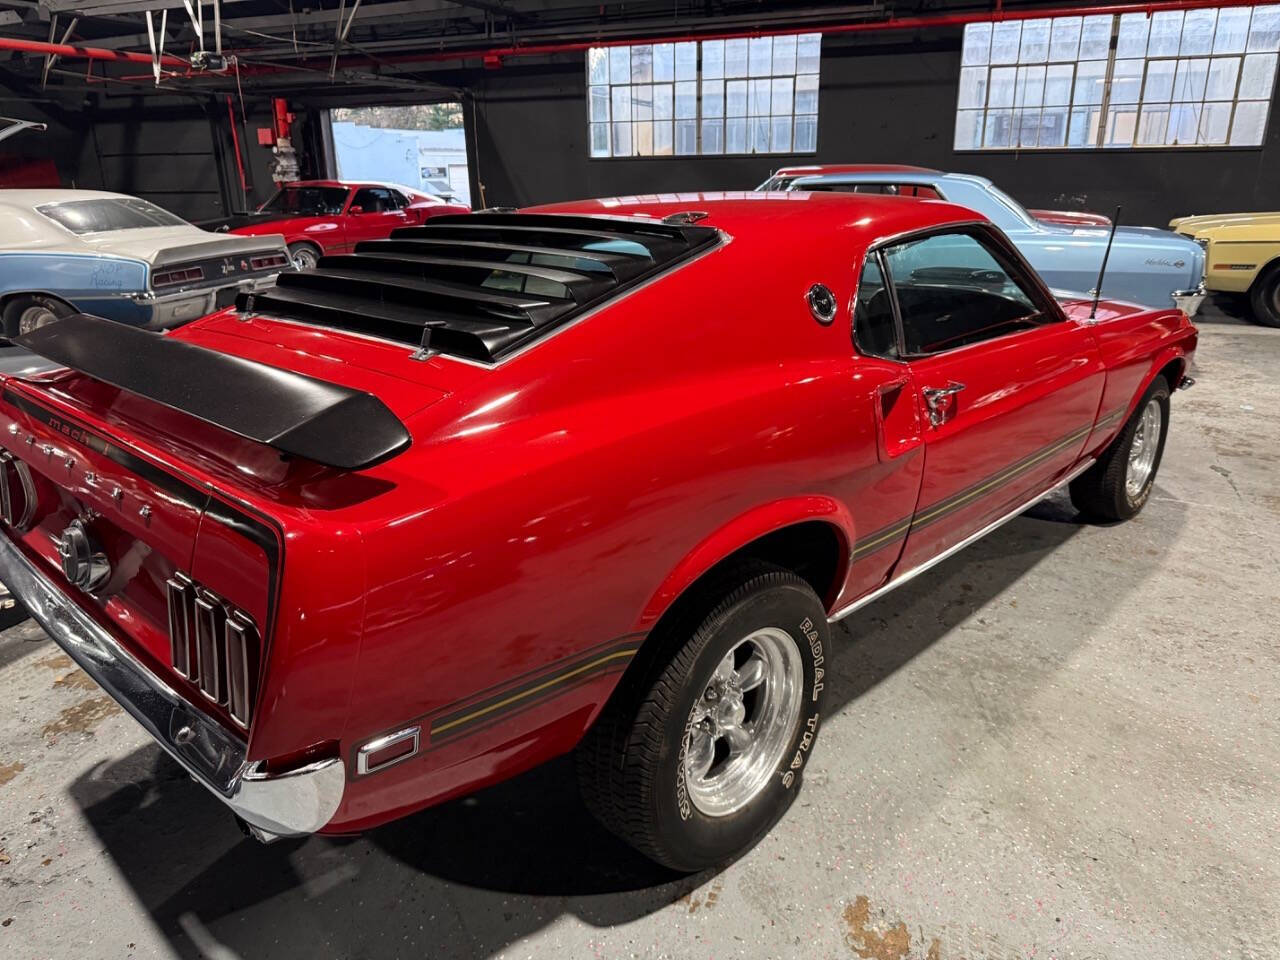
<point x="1062" y="743"/>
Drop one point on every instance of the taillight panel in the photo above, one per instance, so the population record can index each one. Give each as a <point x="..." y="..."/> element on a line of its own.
<point x="269" y="261"/>
<point x="214" y="645"/>
<point x="171" y="278"/>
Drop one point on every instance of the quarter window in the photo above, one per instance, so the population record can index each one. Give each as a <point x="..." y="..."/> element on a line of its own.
<point x="374" y="200"/>
<point x="873" y="326"/>
<point x="953" y="291"/>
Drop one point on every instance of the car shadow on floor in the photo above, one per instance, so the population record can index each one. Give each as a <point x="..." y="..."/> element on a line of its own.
<point x="475" y="876"/>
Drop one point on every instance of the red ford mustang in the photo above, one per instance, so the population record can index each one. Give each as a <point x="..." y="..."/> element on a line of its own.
<point x="319" y="217"/>
<point x="595" y="477"/>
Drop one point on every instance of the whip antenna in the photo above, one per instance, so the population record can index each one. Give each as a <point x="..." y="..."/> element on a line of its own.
<point x="1106" y="254"/>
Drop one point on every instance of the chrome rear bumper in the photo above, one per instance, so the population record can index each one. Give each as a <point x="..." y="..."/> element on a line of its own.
<point x="295" y="802"/>
<point x="1188" y="301"/>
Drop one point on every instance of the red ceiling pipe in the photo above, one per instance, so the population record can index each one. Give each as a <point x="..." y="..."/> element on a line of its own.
<point x="69" y="51"/>
<point x="866" y="26"/>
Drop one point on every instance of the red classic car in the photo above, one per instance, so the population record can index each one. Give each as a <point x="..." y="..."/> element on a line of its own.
<point x="595" y="477"/>
<point x="332" y="216"/>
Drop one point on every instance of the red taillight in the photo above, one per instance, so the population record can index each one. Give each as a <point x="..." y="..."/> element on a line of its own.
<point x="214" y="645"/>
<point x="269" y="261"/>
<point x="173" y="277"/>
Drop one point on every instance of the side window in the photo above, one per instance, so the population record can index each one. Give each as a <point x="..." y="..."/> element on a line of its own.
<point x="873" y="329"/>
<point x="953" y="291"/>
<point x="398" y="200"/>
<point x="373" y="200"/>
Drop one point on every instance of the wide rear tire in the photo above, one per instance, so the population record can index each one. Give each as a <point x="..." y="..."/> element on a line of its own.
<point x="1120" y="483"/>
<point x="30" y="311"/>
<point x="1264" y="297"/>
<point x="702" y="747"/>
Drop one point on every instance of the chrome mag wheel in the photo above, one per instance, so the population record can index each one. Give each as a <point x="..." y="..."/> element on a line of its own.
<point x="34" y="317"/>
<point x="304" y="258"/>
<point x="1143" y="449"/>
<point x="743" y="721"/>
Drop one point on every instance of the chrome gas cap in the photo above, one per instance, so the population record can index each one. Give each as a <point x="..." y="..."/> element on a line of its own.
<point x="83" y="561"/>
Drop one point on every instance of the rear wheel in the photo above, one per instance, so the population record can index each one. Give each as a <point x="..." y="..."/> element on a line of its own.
<point x="304" y="256"/>
<point x="29" y="312"/>
<point x="701" y="751"/>
<point x="1264" y="297"/>
<point x="1120" y="483"/>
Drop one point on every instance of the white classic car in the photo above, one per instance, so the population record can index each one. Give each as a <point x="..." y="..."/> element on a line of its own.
<point x="119" y="257"/>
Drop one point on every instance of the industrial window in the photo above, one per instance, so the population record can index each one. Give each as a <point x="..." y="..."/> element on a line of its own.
<point x="1173" y="78"/>
<point x="757" y="95"/>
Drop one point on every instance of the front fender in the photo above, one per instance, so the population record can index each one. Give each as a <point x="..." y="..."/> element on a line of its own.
<point x="738" y="533"/>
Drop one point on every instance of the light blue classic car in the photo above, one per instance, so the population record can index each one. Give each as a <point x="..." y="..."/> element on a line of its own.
<point x="119" y="257"/>
<point x="1146" y="266"/>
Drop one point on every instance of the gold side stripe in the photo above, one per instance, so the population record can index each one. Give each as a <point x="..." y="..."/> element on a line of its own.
<point x="897" y="531"/>
<point x="617" y="654"/>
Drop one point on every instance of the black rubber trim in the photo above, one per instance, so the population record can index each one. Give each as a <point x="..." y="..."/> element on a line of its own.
<point x="294" y="414"/>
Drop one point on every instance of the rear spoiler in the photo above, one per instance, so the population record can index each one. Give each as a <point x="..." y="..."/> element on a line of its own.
<point x="294" y="414"/>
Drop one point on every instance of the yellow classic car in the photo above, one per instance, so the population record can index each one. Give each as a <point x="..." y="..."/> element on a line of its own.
<point x="1242" y="255"/>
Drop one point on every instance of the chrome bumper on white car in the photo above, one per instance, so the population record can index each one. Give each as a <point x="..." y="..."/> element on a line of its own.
<point x="171" y="309"/>
<point x="290" y="803"/>
<point x="1188" y="301"/>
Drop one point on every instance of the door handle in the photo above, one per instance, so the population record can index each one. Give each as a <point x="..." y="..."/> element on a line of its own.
<point x="939" y="401"/>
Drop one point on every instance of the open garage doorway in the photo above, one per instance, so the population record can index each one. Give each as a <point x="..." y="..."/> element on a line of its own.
<point x="417" y="145"/>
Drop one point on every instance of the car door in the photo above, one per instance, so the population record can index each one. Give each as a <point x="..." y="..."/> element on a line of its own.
<point x="379" y="215"/>
<point x="1009" y="386"/>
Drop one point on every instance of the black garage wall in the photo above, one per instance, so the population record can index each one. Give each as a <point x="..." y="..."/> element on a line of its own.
<point x="879" y="102"/>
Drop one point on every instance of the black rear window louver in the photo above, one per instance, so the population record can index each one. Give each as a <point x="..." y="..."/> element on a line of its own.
<point x="485" y="283"/>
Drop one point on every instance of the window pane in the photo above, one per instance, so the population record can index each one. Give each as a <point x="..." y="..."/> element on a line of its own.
<point x="977" y="44"/>
<point x="1166" y="33"/>
<point x="712" y="60"/>
<point x="1184" y="122"/>
<point x="622" y="139"/>
<point x="807" y="94"/>
<point x="641" y="102"/>
<point x="1035" y="41"/>
<point x="642" y="64"/>
<point x="712" y="136"/>
<point x="780" y="137"/>
<point x="621" y="103"/>
<point x="1090" y="79"/>
<point x="1095" y="38"/>
<point x="597" y="65"/>
<point x="1258" y="77"/>
<point x="780" y="100"/>
<point x="599" y="139"/>
<point x="735" y="58"/>
<point x="1005" y="41"/>
<point x="686" y="100"/>
<point x="1122" y="124"/>
<point x="713" y="98"/>
<point x="687" y="61"/>
<point x="1057" y="84"/>
<point x="1064" y="42"/>
<point x="874" y="330"/>
<point x="761" y="51"/>
<point x="1153" y="124"/>
<point x="1003" y="86"/>
<point x="1188" y="83"/>
<point x="1222" y="78"/>
<point x="735" y="136"/>
<point x="1028" y="128"/>
<point x="1233" y="30"/>
<point x="1083" y="131"/>
<point x="736" y="98"/>
<point x="1215" y="119"/>
<point x="1132" y="38"/>
<point x="642" y="138"/>
<point x="999" y="130"/>
<point x="664" y="62"/>
<point x="1197" y="32"/>
<point x="759" y="132"/>
<point x="973" y="87"/>
<point x="968" y="129"/>
<point x="759" y="106"/>
<point x="1159" y="80"/>
<point x="1053" y="127"/>
<point x="619" y="64"/>
<point x="784" y="55"/>
<point x="808" y="50"/>
<point x="806" y="138"/>
<point x="1030" y="91"/>
<point x="1264" y="31"/>
<point x="687" y="138"/>
<point x="1126" y="81"/>
<point x="599" y="103"/>
<point x="1250" y="123"/>
<point x="662" y="142"/>
<point x="662" y="101"/>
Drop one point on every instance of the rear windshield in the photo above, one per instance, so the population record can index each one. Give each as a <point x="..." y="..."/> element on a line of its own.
<point x="307" y="201"/>
<point x="108" y="213"/>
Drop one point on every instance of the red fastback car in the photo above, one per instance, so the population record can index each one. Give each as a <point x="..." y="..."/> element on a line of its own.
<point x="595" y="477"/>
<point x="319" y="217"/>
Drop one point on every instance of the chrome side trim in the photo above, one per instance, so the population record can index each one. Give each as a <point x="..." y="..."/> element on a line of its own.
<point x="294" y="802"/>
<point x="951" y="551"/>
<point x="373" y="746"/>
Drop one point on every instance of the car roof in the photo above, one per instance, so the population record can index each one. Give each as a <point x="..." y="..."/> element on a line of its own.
<point x="858" y="217"/>
<point x="876" y="175"/>
<point x="816" y="169"/>
<point x="347" y="184"/>
<point x="31" y="197"/>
